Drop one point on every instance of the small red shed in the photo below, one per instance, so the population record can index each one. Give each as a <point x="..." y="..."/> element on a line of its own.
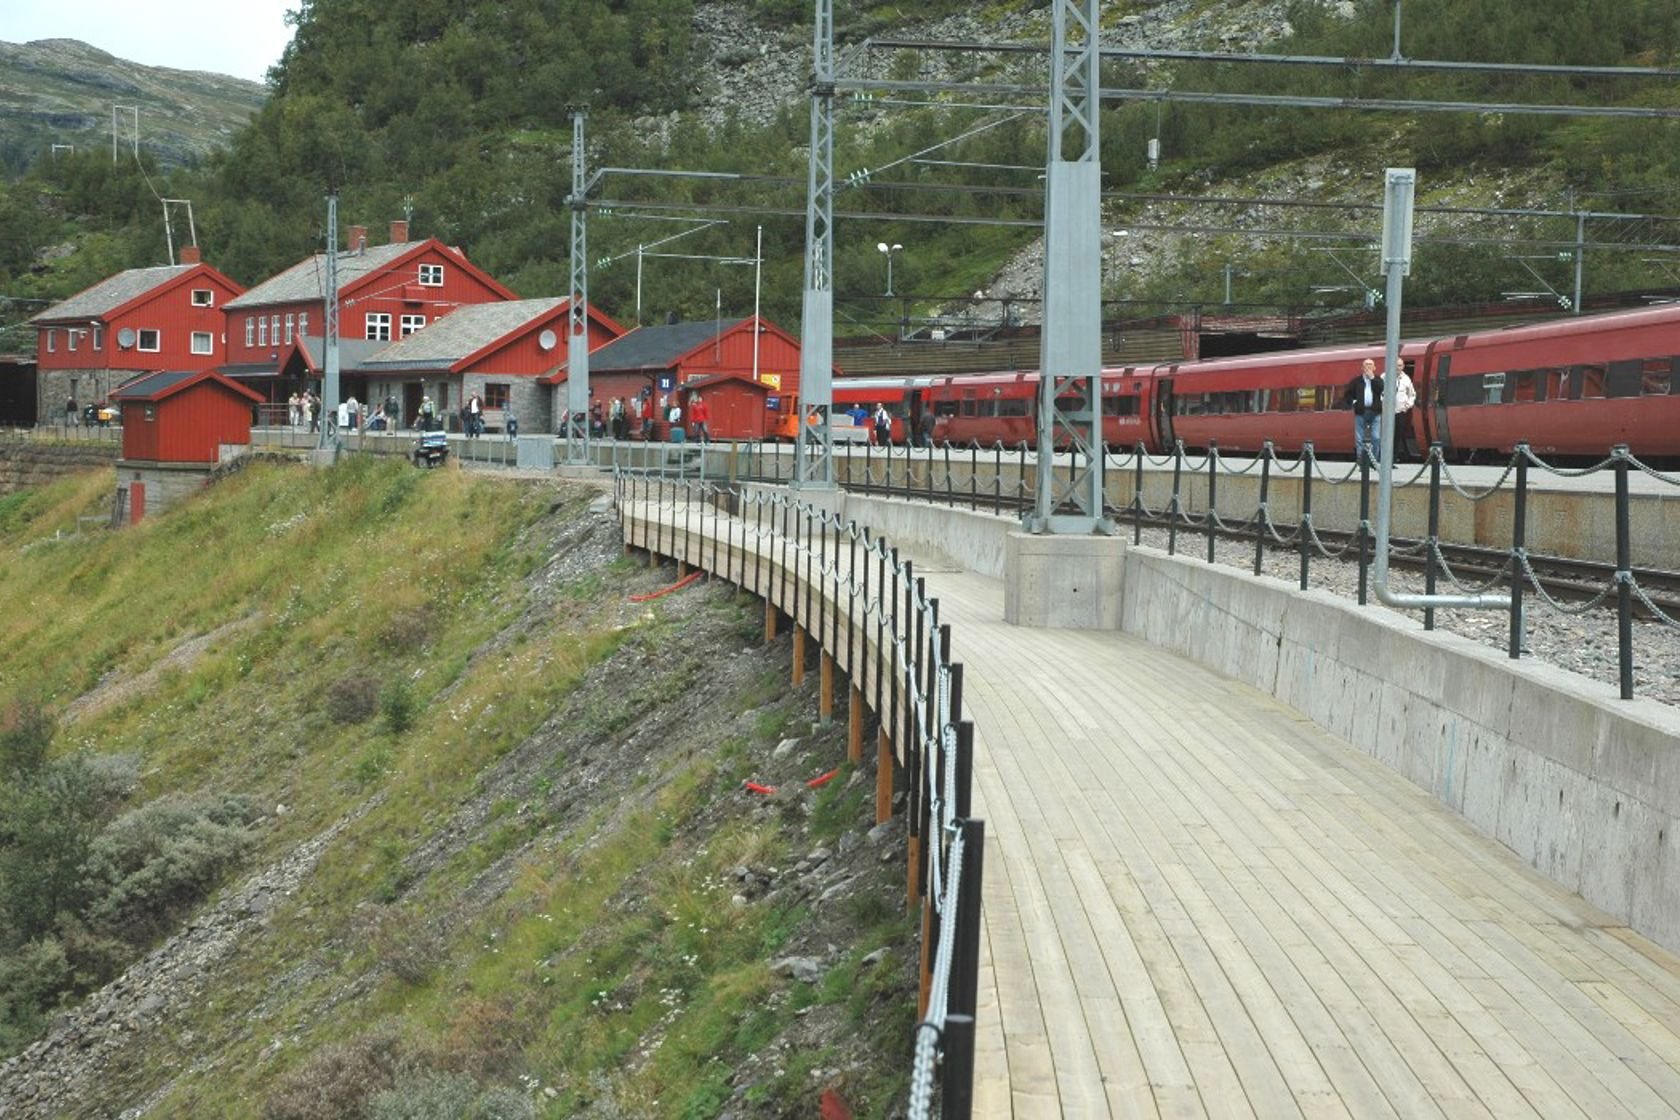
<point x="183" y="417"/>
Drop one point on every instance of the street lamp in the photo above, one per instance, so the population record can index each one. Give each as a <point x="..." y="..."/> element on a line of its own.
<point x="889" y="250"/>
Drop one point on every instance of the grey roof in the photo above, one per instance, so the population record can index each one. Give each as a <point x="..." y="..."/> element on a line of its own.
<point x="307" y="280"/>
<point x="112" y="293"/>
<point x="657" y="347"/>
<point x="353" y="353"/>
<point x="151" y="384"/>
<point x="465" y="331"/>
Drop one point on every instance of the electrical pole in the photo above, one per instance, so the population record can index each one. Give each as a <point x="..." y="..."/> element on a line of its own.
<point x="575" y="426"/>
<point x="329" y="327"/>
<point x="1070" y="362"/>
<point x="814" y="459"/>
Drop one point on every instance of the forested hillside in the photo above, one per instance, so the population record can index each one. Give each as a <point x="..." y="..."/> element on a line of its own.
<point x="456" y="112"/>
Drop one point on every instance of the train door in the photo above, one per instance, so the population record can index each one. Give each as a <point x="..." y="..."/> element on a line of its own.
<point x="1164" y="414"/>
<point x="913" y="399"/>
<point x="1438" y="401"/>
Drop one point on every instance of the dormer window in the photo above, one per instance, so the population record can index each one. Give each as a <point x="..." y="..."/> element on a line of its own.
<point x="431" y="275"/>
<point x="203" y="297"/>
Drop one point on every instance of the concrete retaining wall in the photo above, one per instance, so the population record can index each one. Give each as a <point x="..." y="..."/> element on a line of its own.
<point x="27" y="464"/>
<point x="1582" y="785"/>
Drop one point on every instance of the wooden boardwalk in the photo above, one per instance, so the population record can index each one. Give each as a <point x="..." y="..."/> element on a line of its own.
<point x="1197" y="903"/>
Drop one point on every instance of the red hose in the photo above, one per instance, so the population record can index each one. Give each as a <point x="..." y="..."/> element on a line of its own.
<point x="755" y="787"/>
<point x="677" y="586"/>
<point x="823" y="780"/>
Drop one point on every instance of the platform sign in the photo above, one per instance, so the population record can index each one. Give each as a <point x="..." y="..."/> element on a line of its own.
<point x="773" y="380"/>
<point x="772" y="403"/>
<point x="1397" y="219"/>
<point x="667" y="382"/>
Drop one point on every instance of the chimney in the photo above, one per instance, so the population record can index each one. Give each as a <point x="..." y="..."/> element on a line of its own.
<point x="189" y="254"/>
<point x="399" y="231"/>
<point x="358" y="239"/>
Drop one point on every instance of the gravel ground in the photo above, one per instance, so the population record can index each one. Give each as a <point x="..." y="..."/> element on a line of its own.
<point x="1584" y="643"/>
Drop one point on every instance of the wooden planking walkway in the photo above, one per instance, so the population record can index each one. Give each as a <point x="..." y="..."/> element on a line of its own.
<point x="1200" y="904"/>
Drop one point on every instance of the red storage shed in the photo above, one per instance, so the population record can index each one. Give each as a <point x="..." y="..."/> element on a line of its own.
<point x="183" y="417"/>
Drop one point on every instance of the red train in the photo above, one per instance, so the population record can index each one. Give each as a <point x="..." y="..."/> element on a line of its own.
<point x="1570" y="387"/>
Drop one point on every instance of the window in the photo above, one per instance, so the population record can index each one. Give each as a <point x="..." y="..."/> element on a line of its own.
<point x="70" y="339"/>
<point x="274" y="329"/>
<point x="378" y="326"/>
<point x="1012" y="406"/>
<point x="431" y="275"/>
<point x="412" y="323"/>
<point x="203" y="342"/>
<point x="1659" y="377"/>
<point x="52" y="340"/>
<point x="203" y="297"/>
<point x="250" y="331"/>
<point x="1493" y="388"/>
<point x="303" y="323"/>
<point x="99" y="338"/>
<point x="151" y="341"/>
<point x="1626" y="378"/>
<point x="291" y="322"/>
<point x="262" y="330"/>
<point x="495" y="393"/>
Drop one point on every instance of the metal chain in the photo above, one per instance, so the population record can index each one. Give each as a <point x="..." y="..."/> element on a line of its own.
<point x="1323" y="551"/>
<point x="1567" y="472"/>
<point x="931" y="1029"/>
<point x="1446" y="569"/>
<point x="1662" y="616"/>
<point x="1446" y="469"/>
<point x="1578" y="609"/>
<point x="1671" y="479"/>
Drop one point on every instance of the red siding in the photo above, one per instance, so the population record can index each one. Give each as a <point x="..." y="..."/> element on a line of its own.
<point x="394" y="290"/>
<point x="167" y="309"/>
<point x="525" y="357"/>
<point x="186" y="427"/>
<point x="737" y="410"/>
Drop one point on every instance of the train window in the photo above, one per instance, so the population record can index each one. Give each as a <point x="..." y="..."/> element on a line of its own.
<point x="1324" y="397"/>
<point x="1493" y="388"/>
<point x="968" y="406"/>
<point x="1120" y="406"/>
<point x="1013" y="406"/>
<point x="1659" y="377"/>
<point x="1526" y="386"/>
<point x="944" y="407"/>
<point x="1591" y="382"/>
<point x="1626" y="378"/>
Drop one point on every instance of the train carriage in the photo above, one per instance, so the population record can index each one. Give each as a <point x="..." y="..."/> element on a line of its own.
<point x="1569" y="387"/>
<point x="992" y="408"/>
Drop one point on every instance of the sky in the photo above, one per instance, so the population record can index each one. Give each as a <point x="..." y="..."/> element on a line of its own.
<point x="239" y="37"/>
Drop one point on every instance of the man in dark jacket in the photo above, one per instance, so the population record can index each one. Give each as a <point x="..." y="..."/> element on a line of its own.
<point x="1364" y="394"/>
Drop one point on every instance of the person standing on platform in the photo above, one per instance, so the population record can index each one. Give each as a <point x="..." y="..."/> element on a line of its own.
<point x="883" y="424"/>
<point x="700" y="414"/>
<point x="1405" y="399"/>
<point x="1364" y="394"/>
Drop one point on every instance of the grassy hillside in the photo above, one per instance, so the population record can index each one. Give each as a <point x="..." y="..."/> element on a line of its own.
<point x="485" y="841"/>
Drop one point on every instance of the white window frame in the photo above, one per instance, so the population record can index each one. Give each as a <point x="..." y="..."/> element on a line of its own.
<point x="99" y="338"/>
<point x="431" y="275"/>
<point x="52" y="340"/>
<point x="208" y="300"/>
<point x="274" y="328"/>
<point x="262" y="332"/>
<point x="303" y="323"/>
<point x="291" y="324"/>
<point x="250" y="331"/>
<point x="157" y="340"/>
<point x="377" y="326"/>
<point x="411" y="324"/>
<point x="209" y="338"/>
<point x="70" y="340"/>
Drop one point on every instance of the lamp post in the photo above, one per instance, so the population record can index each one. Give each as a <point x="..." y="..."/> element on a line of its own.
<point x="889" y="250"/>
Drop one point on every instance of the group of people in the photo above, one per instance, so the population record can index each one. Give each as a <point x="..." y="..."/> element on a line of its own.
<point x="304" y="410"/>
<point x="880" y="424"/>
<point x="1364" y="394"/>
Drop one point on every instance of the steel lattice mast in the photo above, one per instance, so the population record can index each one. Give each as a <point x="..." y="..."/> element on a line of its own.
<point x="814" y="463"/>
<point x="1070" y="396"/>
<point x="575" y="424"/>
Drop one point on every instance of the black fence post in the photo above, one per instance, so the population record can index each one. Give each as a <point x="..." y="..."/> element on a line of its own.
<point x="1519" y="551"/>
<point x="1624" y="572"/>
<point x="1173" y="506"/>
<point x="1137" y="496"/>
<point x="1306" y="510"/>
<point x="1213" y="494"/>
<point x="1430" y="570"/>
<point x="1263" y="516"/>
<point x="957" y="1087"/>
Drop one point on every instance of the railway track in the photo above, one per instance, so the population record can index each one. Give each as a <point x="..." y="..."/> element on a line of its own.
<point x="1561" y="577"/>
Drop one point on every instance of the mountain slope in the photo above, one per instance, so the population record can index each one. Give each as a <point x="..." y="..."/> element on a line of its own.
<point x="61" y="91"/>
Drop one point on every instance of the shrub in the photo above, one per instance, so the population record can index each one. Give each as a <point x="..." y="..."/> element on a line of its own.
<point x="30" y="979"/>
<point x="433" y="1096"/>
<point x="398" y="705"/>
<point x="151" y="864"/>
<point x="352" y="699"/>
<point x="25" y="733"/>
<point x="338" y="1081"/>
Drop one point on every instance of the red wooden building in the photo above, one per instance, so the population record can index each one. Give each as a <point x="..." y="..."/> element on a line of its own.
<point x="386" y="293"/>
<point x="661" y="365"/>
<point x="501" y="351"/>
<point x="144" y="319"/>
<point x="183" y="417"/>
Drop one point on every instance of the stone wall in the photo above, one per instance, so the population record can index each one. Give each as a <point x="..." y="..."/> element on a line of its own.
<point x="25" y="464"/>
<point x="88" y="386"/>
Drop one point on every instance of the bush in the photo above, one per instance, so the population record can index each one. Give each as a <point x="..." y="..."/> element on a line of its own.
<point x="398" y="705"/>
<point x="432" y="1096"/>
<point x="25" y="733"/>
<point x="30" y="979"/>
<point x="352" y="699"/>
<point x="152" y="864"/>
<point x="338" y="1081"/>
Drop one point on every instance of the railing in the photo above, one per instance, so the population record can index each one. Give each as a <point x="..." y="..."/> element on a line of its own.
<point x="865" y="605"/>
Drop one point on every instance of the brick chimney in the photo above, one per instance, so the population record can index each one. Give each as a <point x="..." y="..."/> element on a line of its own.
<point x="399" y="231"/>
<point x="189" y="254"/>
<point x="358" y="239"/>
